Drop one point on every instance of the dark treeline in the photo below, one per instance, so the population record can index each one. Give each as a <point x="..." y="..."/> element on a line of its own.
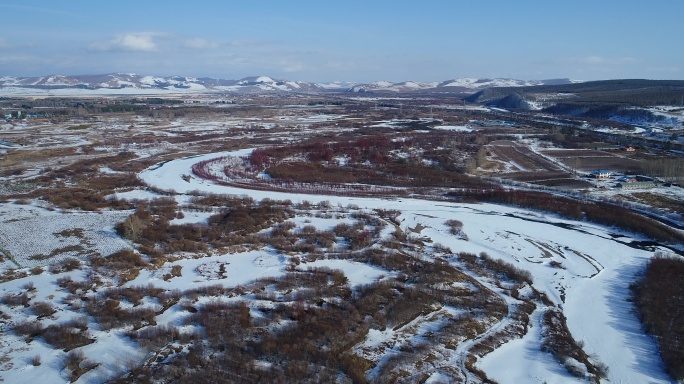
<point x="617" y="92"/>
<point x="672" y="167"/>
<point x="597" y="212"/>
<point x="441" y="162"/>
<point x="396" y="175"/>
<point x="659" y="298"/>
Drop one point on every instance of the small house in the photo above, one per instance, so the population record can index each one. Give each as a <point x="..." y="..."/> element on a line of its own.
<point x="628" y="179"/>
<point x="636" y="182"/>
<point x="601" y="174"/>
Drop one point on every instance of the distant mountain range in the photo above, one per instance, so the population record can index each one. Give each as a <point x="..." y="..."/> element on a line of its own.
<point x="129" y="83"/>
<point x="466" y="85"/>
<point x="603" y="94"/>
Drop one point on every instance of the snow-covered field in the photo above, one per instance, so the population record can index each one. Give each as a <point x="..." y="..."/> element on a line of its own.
<point x="36" y="236"/>
<point x="237" y="269"/>
<point x="592" y="286"/>
<point x="455" y="128"/>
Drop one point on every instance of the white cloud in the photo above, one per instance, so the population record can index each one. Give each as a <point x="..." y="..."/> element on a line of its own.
<point x="3" y="43"/>
<point x="135" y="42"/>
<point x="140" y="41"/>
<point x="167" y="43"/>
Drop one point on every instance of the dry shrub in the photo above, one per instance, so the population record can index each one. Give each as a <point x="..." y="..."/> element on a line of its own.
<point x="110" y="315"/>
<point x="29" y="329"/>
<point x="164" y="208"/>
<point x="67" y="336"/>
<point x="455" y="226"/>
<point x="132" y="228"/>
<point x="500" y="267"/>
<point x="15" y="300"/>
<point x="557" y="339"/>
<point x="77" y="365"/>
<point x="43" y="309"/>
<point x="73" y="360"/>
<point x="135" y="294"/>
<point x="124" y="265"/>
<point x="70" y="198"/>
<point x="224" y="323"/>
<point x="66" y="265"/>
<point x="72" y="286"/>
<point x="154" y="337"/>
<point x="176" y="271"/>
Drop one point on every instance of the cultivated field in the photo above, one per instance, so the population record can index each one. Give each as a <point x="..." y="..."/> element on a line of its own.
<point x="592" y="160"/>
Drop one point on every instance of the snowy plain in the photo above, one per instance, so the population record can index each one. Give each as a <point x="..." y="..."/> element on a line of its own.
<point x="592" y="287"/>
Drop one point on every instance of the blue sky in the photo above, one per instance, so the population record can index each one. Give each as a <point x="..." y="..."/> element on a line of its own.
<point x="346" y="40"/>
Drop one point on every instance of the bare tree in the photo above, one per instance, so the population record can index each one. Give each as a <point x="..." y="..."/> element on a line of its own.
<point x="133" y="227"/>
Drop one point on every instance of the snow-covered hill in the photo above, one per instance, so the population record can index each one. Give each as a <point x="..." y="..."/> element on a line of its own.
<point x="127" y="83"/>
<point x="131" y="83"/>
<point x="454" y="85"/>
